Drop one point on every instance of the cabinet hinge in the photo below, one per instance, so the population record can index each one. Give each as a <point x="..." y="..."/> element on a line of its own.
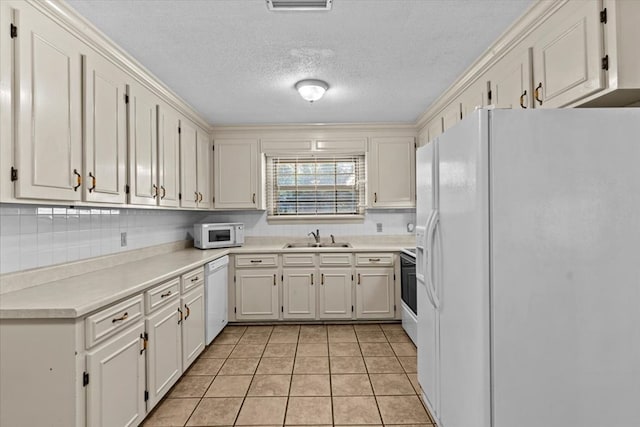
<point x="126" y="98"/>
<point x="213" y="147"/>
<point x="213" y="199"/>
<point x="146" y="395"/>
<point x="352" y="277"/>
<point x="14" y="174"/>
<point x="235" y="309"/>
<point x="605" y="62"/>
<point x="127" y="189"/>
<point x="234" y="279"/>
<point x="85" y="379"/>
<point x="603" y="15"/>
<point x="13" y="31"/>
<point x="179" y="129"/>
<point x="179" y="196"/>
<point x="282" y="308"/>
<point x="352" y="309"/>
<point x="394" y="308"/>
<point x="282" y="278"/>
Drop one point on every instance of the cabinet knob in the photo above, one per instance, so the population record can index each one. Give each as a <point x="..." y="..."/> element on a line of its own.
<point x="536" y="94"/>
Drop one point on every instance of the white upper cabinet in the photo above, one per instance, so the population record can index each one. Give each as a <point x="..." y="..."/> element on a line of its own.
<point x="188" y="168"/>
<point x="567" y="55"/>
<point x="203" y="166"/>
<point x="48" y="140"/>
<point x="105" y="130"/>
<point x="168" y="156"/>
<point x="391" y="172"/>
<point x="511" y="81"/>
<point x="236" y="174"/>
<point x="143" y="146"/>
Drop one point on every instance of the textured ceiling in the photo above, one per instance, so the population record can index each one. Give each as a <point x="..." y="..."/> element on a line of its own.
<point x="236" y="62"/>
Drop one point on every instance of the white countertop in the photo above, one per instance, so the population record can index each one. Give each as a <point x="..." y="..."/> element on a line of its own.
<point x="79" y="295"/>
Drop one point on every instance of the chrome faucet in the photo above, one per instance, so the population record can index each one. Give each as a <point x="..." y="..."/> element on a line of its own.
<point x="315" y="235"/>
<point x="333" y="238"/>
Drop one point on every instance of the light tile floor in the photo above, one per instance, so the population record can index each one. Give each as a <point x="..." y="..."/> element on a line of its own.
<point x="294" y="375"/>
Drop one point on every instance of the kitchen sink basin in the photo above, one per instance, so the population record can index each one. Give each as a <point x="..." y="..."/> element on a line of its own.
<point x="317" y="245"/>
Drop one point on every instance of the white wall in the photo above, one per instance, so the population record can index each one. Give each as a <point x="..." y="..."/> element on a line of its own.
<point x="393" y="223"/>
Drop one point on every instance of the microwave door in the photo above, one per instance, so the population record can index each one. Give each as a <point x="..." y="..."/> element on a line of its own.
<point x="218" y="235"/>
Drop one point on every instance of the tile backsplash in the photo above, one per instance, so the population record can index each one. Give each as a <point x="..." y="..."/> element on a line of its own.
<point x="37" y="236"/>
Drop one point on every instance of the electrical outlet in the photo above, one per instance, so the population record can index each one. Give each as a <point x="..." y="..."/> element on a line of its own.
<point x="123" y="239"/>
<point x="379" y="227"/>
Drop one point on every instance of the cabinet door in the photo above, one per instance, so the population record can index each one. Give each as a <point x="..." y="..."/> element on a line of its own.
<point x="143" y="144"/>
<point x="511" y="81"/>
<point x="392" y="172"/>
<point x="115" y="393"/>
<point x="335" y="293"/>
<point x="164" y="351"/>
<point x="188" y="168"/>
<point x="257" y="294"/>
<point x="168" y="156"/>
<point x="192" y="326"/>
<point x="451" y="115"/>
<point x="105" y="130"/>
<point x="49" y="117"/>
<point x="374" y="293"/>
<point x="236" y="174"/>
<point x="473" y="97"/>
<point x="567" y="55"/>
<point x="203" y="166"/>
<point x="299" y="293"/>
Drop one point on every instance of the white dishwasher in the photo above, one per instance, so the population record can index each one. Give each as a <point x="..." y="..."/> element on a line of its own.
<point x="215" y="295"/>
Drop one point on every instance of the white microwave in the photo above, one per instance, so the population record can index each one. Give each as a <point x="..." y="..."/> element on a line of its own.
<point x="218" y="235"/>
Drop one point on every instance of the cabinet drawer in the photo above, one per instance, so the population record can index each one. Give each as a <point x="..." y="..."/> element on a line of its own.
<point x="298" y="259"/>
<point x="385" y="259"/>
<point x="107" y="322"/>
<point x="341" y="259"/>
<point x="192" y="279"/>
<point x="160" y="295"/>
<point x="270" y="260"/>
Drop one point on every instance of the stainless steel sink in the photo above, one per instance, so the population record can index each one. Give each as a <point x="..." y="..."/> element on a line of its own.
<point x="317" y="245"/>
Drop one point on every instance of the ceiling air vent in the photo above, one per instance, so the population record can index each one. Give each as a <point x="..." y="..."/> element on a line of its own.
<point x="302" y="5"/>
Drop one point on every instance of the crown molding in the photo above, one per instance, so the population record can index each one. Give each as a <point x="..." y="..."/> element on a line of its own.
<point x="509" y="39"/>
<point x="62" y="13"/>
<point x="314" y="127"/>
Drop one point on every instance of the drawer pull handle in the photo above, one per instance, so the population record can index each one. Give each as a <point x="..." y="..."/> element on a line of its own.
<point x="536" y="94"/>
<point x="166" y="294"/>
<point x="121" y="318"/>
<point x="374" y="259"/>
<point x="78" y="180"/>
<point x="256" y="261"/>
<point x="522" y="99"/>
<point x="375" y="197"/>
<point x="155" y="191"/>
<point x="358" y="278"/>
<point x="322" y="278"/>
<point x="201" y="197"/>
<point x="164" y="192"/>
<point x="188" y="311"/>
<point x="93" y="182"/>
<point x="254" y="198"/>
<point x="195" y="279"/>
<point x="179" y="318"/>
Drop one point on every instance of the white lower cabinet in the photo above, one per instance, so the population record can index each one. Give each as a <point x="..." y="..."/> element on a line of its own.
<point x="335" y="293"/>
<point x="192" y="307"/>
<point x="164" y="350"/>
<point x="299" y="293"/>
<point x="257" y="294"/>
<point x="375" y="293"/>
<point x="115" y="392"/>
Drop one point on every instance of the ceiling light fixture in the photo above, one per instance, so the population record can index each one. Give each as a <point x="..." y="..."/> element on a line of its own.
<point x="312" y="90"/>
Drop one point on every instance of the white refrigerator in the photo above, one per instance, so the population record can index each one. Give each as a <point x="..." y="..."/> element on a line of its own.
<point x="528" y="269"/>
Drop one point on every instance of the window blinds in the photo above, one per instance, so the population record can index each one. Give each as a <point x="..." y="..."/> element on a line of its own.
<point x="312" y="186"/>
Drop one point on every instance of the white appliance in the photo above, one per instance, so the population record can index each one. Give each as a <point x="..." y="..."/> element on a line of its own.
<point x="218" y="235"/>
<point x="528" y="269"/>
<point x="215" y="296"/>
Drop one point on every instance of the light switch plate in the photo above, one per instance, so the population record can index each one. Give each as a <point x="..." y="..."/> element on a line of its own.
<point x="123" y="239"/>
<point x="379" y="227"/>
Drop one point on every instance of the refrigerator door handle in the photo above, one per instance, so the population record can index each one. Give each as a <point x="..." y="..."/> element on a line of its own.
<point x="430" y="285"/>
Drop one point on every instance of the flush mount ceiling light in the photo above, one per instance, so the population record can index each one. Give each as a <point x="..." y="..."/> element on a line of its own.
<point x="312" y="90"/>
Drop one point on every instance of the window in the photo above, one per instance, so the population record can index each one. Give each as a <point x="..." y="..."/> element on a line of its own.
<point x="315" y="186"/>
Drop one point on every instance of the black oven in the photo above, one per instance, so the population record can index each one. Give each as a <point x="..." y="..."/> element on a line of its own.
<point x="408" y="281"/>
